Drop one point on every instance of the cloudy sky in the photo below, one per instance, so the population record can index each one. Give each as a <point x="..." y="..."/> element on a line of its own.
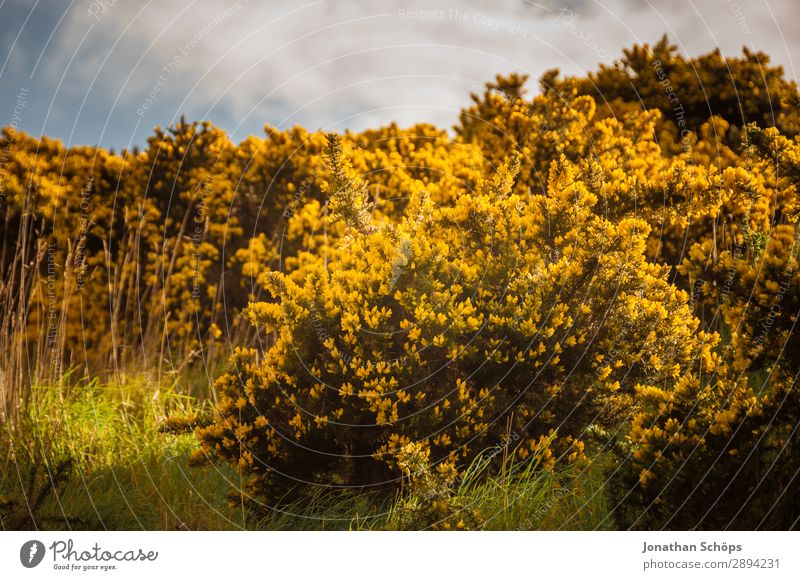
<point x="107" y="71"/>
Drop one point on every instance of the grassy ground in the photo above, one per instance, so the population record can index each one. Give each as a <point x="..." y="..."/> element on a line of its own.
<point x="92" y="456"/>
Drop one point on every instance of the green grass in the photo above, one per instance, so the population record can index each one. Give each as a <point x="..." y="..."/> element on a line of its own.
<point x="88" y="455"/>
<point x="95" y="456"/>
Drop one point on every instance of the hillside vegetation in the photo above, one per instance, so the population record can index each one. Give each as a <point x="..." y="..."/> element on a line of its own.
<point x="575" y="311"/>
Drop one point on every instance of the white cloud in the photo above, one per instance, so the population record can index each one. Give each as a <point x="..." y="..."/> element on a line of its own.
<point x="365" y="62"/>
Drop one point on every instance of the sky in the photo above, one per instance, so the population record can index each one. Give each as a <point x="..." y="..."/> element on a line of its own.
<point x="107" y="71"/>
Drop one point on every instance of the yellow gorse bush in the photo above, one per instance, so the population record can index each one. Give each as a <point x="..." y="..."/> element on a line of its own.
<point x="433" y="329"/>
<point x="711" y="455"/>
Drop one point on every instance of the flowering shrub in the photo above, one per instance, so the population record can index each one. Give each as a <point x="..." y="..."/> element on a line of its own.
<point x="749" y="274"/>
<point x="532" y="290"/>
<point x="434" y="329"/>
<point x="713" y="455"/>
<point x="688" y="91"/>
